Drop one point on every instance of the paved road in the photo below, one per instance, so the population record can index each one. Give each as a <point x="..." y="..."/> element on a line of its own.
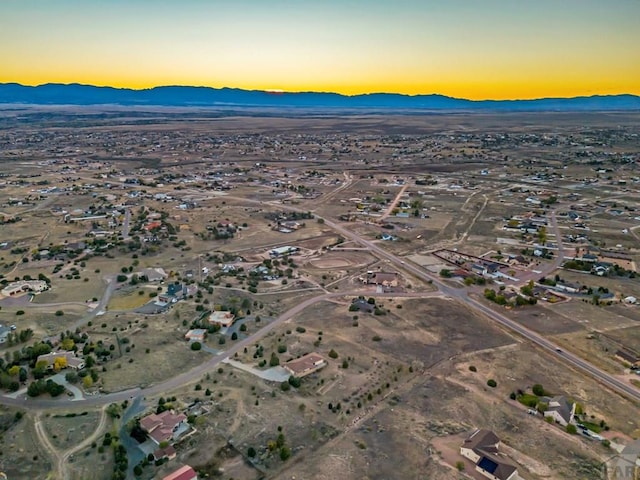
<point x="461" y="295"/>
<point x="456" y="293"/>
<point x="195" y="373"/>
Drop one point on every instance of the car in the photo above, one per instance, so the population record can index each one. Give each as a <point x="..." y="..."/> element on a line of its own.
<point x="558" y="350"/>
<point x="13" y="327"/>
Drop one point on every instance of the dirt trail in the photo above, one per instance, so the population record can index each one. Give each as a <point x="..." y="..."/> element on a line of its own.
<point x="85" y="443"/>
<point x="59" y="459"/>
<point x="48" y="446"/>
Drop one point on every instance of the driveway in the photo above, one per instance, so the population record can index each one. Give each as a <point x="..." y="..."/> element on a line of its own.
<point x="61" y="380"/>
<point x="273" y="374"/>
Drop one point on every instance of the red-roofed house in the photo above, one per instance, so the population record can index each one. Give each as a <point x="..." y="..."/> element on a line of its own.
<point x="163" y="427"/>
<point x="183" y="473"/>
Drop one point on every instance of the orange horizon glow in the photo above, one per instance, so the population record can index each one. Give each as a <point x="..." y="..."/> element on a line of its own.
<point x="500" y="50"/>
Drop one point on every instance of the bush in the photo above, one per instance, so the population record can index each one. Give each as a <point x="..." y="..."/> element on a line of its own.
<point x="285" y="386"/>
<point x="251" y="452"/>
<point x="376" y="338"/>
<point x="492" y="383"/>
<point x="473" y="368"/>
<point x="333" y="354"/>
<point x="121" y="278"/>
<point x="285" y="453"/>
<point x="282" y="348"/>
<point x="196" y="346"/>
<point x="538" y="390"/>
<point x="234" y="336"/>
<point x="571" y="428"/>
<point x="301" y="329"/>
<point x="59" y="313"/>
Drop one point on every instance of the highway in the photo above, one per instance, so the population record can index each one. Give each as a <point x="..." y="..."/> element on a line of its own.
<point x="461" y="295"/>
<point x="443" y="289"/>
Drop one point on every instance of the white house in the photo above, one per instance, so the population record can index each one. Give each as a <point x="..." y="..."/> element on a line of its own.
<point x="560" y="410"/>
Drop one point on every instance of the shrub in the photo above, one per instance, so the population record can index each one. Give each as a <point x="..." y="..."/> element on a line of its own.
<point x="473" y="368"/>
<point x="538" y="390"/>
<point x="333" y="354"/>
<point x="571" y="428"/>
<point x="251" y="452"/>
<point x="376" y="338"/>
<point x="301" y="329"/>
<point x="196" y="346"/>
<point x="492" y="383"/>
<point x="59" y="313"/>
<point x="282" y="348"/>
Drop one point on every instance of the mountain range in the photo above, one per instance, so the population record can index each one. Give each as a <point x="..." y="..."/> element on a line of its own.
<point x="186" y="96"/>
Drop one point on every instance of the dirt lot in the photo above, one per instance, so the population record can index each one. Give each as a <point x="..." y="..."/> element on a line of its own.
<point x="65" y="432"/>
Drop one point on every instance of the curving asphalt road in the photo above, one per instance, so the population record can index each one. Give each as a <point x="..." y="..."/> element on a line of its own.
<point x="187" y="377"/>
<point x="459" y="294"/>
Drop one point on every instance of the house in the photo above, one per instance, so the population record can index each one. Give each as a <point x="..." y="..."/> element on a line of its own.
<point x="305" y="365"/>
<point x="221" y="317"/>
<point x="560" y="410"/>
<point x="277" y="252"/>
<point x="23" y="286"/>
<point x="153" y="274"/>
<point x="168" y="452"/>
<point x="165" y="426"/>
<point x="196" y="335"/>
<point x="183" y="473"/>
<point x="482" y="448"/>
<point x="69" y="357"/>
<point x="175" y="292"/>
<point x="479" y="269"/>
<point x="386" y="279"/>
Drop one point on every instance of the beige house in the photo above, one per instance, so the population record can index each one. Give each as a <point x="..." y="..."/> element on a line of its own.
<point x="481" y="447"/>
<point x="222" y="318"/>
<point x="386" y="279"/>
<point x="305" y="365"/>
<point x="71" y="360"/>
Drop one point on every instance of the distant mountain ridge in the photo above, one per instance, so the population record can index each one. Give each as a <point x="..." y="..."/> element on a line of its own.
<point x="185" y="96"/>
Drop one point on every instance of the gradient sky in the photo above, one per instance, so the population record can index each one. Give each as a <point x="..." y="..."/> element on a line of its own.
<point x="464" y="48"/>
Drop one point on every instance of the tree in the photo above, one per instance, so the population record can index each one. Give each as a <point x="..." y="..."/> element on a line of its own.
<point x="60" y="363"/>
<point x="251" y="452"/>
<point x="234" y="336"/>
<point x="460" y="465"/>
<point x="571" y="428"/>
<point x="285" y="453"/>
<point x="14" y="371"/>
<point x="274" y="361"/>
<point x="87" y="381"/>
<point x="538" y="390"/>
<point x="196" y="346"/>
<point x="333" y="354"/>
<point x="492" y="383"/>
<point x="71" y="377"/>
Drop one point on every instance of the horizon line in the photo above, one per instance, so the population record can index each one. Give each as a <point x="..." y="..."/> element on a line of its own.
<point x="278" y="91"/>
